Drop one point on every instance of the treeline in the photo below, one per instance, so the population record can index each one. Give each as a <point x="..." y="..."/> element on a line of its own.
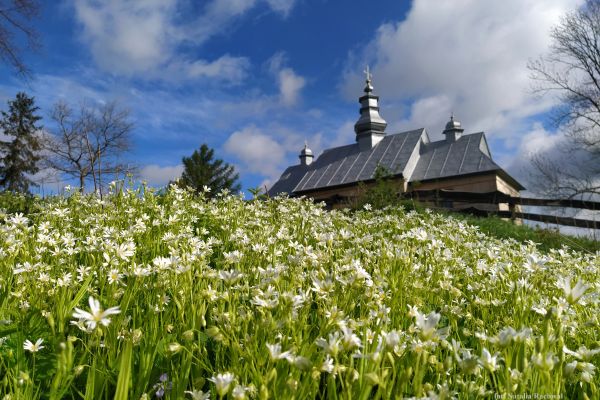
<point x="87" y="145"/>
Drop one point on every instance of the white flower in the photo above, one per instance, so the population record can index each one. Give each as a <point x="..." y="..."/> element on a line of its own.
<point x="413" y="311"/>
<point x="223" y="382"/>
<point x="65" y="280"/>
<point x="534" y="263"/>
<point x="268" y="299"/>
<point x="539" y="310"/>
<point x="426" y="325"/>
<point x="96" y="315"/>
<point x="233" y="257"/>
<point x="174" y="347"/>
<point x="506" y="336"/>
<point x="18" y="219"/>
<point x="25" y="267"/>
<point x="33" y="347"/>
<point x="198" y="394"/>
<point x="239" y="392"/>
<point x="162" y="263"/>
<point x="391" y="339"/>
<point x="331" y="346"/>
<point x="582" y="353"/>
<point x="544" y="361"/>
<point x="323" y="286"/>
<point x="419" y="234"/>
<point x="327" y="365"/>
<point x="587" y="371"/>
<point x="572" y="294"/>
<point x="114" y="276"/>
<point x="488" y="361"/>
<point x="230" y="276"/>
<point x="350" y="340"/>
<point x="299" y="362"/>
<point x="140" y="270"/>
<point x="125" y="251"/>
<point x="276" y="353"/>
<point x="569" y="369"/>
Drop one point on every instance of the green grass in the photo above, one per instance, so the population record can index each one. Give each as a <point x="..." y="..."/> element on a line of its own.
<point x="546" y="239"/>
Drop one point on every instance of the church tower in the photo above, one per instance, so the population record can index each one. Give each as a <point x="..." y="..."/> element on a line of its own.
<point x="370" y="127"/>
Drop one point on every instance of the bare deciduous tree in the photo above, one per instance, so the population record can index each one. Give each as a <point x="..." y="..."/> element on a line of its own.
<point x="571" y="71"/>
<point x="15" y="22"/>
<point x="88" y="145"/>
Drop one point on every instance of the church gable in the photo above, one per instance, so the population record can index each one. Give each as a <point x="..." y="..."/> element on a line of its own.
<point x="446" y="158"/>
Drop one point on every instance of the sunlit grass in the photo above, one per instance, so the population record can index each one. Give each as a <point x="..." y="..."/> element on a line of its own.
<point x="176" y="296"/>
<point x="546" y="239"/>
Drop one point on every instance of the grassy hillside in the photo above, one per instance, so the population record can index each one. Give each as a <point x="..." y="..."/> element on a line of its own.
<point x="546" y="239"/>
<point x="176" y="296"/>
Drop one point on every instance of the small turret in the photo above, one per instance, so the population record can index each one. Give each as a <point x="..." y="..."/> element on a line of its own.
<point x="453" y="130"/>
<point x="306" y="155"/>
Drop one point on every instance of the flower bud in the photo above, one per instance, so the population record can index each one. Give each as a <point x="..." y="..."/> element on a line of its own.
<point x="188" y="335"/>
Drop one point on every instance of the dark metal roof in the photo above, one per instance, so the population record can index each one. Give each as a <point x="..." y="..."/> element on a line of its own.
<point x="348" y="164"/>
<point x="288" y="180"/>
<point x="398" y="153"/>
<point x="467" y="155"/>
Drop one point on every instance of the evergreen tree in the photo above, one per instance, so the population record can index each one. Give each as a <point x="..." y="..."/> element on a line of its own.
<point x="201" y="170"/>
<point x="19" y="155"/>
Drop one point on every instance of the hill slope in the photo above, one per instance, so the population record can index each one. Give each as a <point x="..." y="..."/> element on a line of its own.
<point x="172" y="296"/>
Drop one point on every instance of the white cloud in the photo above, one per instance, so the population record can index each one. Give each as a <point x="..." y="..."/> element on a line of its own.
<point x="128" y="37"/>
<point x="343" y="135"/>
<point x="156" y="175"/>
<point x="468" y="56"/>
<point x="216" y="17"/>
<point x="434" y="109"/>
<point x="289" y="82"/>
<point x="282" y="6"/>
<point x="267" y="151"/>
<point x="258" y="152"/>
<point x="225" y="68"/>
<point x="539" y="140"/>
<point x="290" y="85"/>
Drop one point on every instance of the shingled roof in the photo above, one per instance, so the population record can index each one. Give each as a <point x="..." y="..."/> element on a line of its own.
<point x="407" y="154"/>
<point x="468" y="154"/>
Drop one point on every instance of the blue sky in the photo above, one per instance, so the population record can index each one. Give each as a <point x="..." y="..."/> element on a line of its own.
<point x="254" y="79"/>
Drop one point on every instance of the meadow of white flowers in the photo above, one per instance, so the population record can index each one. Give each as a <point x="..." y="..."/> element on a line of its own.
<point x="175" y="296"/>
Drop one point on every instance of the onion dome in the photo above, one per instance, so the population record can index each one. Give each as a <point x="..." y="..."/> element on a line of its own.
<point x="453" y="130"/>
<point x="306" y="155"/>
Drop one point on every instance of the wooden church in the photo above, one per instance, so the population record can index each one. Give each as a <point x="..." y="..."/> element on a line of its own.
<point x="461" y="162"/>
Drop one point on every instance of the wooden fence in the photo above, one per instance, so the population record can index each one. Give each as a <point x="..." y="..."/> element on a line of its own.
<point x="439" y="197"/>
